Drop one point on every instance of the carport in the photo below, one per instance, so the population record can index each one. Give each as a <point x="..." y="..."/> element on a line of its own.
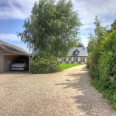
<point x="8" y="59"/>
<point x="8" y="53"/>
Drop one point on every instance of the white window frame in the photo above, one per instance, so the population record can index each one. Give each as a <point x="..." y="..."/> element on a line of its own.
<point x="75" y="59"/>
<point x="63" y="59"/>
<point x="82" y="59"/>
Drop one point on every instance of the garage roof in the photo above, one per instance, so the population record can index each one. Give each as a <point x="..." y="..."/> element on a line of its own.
<point x="12" y="48"/>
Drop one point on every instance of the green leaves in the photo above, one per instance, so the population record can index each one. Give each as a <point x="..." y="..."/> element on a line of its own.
<point x="44" y="62"/>
<point x="52" y="26"/>
<point x="102" y="61"/>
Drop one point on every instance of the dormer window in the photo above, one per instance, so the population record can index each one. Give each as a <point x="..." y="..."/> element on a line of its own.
<point x="76" y="52"/>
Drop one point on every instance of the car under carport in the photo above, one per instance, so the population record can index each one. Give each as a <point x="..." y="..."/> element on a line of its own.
<point x="8" y="53"/>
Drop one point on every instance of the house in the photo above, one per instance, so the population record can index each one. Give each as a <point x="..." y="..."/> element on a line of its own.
<point x="8" y="53"/>
<point x="75" y="55"/>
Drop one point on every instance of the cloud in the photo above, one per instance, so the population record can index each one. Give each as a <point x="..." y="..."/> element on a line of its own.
<point x="16" y="9"/>
<point x="89" y="9"/>
<point x="11" y="37"/>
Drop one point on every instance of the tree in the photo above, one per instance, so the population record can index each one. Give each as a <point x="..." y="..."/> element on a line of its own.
<point x="95" y="49"/>
<point x="52" y="26"/>
<point x="102" y="60"/>
<point x="80" y="44"/>
<point x="113" y="25"/>
<point x="92" y="43"/>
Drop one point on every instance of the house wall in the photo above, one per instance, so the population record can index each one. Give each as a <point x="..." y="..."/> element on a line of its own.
<point x="85" y="59"/>
<point x="72" y="59"/>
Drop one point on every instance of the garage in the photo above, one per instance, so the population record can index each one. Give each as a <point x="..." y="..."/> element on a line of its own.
<point x="8" y="53"/>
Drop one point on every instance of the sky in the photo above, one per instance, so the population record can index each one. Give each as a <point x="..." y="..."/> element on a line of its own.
<point x="14" y="12"/>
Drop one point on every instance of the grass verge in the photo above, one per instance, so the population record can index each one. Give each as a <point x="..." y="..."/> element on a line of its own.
<point x="108" y="92"/>
<point x="65" y="66"/>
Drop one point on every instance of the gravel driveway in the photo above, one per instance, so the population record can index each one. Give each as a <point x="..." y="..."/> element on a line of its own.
<point x="66" y="93"/>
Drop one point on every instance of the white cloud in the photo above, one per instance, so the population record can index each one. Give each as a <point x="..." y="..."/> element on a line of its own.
<point x="87" y="9"/>
<point x="16" y="9"/>
<point x="101" y="8"/>
<point x="11" y="37"/>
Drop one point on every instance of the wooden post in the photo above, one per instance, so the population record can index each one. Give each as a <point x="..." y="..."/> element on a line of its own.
<point x="29" y="64"/>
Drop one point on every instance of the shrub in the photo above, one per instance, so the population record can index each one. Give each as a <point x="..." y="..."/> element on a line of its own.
<point x="72" y="61"/>
<point x="44" y="62"/>
<point x="106" y="69"/>
<point x="67" y="62"/>
<point x="79" y="62"/>
<point x="60" y="62"/>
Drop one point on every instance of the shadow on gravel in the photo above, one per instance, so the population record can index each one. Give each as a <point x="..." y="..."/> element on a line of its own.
<point x="16" y="72"/>
<point x="81" y="82"/>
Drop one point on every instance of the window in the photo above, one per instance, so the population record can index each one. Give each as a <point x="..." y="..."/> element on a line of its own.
<point x="75" y="59"/>
<point x="83" y="59"/>
<point x="69" y="59"/>
<point x="76" y="52"/>
<point x="63" y="59"/>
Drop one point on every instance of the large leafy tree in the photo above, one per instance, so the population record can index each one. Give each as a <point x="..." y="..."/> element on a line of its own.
<point x="52" y="26"/>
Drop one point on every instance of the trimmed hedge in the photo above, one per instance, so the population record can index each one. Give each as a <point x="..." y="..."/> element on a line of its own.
<point x="44" y="62"/>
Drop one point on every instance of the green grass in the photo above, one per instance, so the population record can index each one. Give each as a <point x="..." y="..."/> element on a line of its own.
<point x="65" y="66"/>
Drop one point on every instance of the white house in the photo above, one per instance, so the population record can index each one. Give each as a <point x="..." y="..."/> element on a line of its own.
<point x="75" y="55"/>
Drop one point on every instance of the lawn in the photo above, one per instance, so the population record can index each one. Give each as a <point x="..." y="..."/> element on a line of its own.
<point x="65" y="66"/>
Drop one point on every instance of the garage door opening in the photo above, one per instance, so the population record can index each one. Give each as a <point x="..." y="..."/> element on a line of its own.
<point x="13" y="63"/>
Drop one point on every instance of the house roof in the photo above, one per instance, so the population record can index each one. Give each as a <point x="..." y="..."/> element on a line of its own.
<point x="82" y="51"/>
<point x="12" y="48"/>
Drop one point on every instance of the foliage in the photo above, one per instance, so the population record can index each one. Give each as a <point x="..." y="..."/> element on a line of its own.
<point x="44" y="62"/>
<point x="113" y="25"/>
<point x="65" y="66"/>
<point x="105" y="65"/>
<point x="94" y="47"/>
<point x="80" y="44"/>
<point x="91" y="44"/>
<point x="52" y="26"/>
<point x="102" y="61"/>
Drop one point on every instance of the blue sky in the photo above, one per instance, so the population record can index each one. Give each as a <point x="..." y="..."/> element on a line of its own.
<point x="14" y="12"/>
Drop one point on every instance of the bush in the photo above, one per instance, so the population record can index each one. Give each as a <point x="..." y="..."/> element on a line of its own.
<point x="67" y="62"/>
<point x="44" y="63"/>
<point x="79" y="62"/>
<point x="106" y="68"/>
<point x="60" y="62"/>
<point x="72" y="62"/>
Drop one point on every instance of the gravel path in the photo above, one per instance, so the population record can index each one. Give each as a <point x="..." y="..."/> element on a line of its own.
<point x="66" y="93"/>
